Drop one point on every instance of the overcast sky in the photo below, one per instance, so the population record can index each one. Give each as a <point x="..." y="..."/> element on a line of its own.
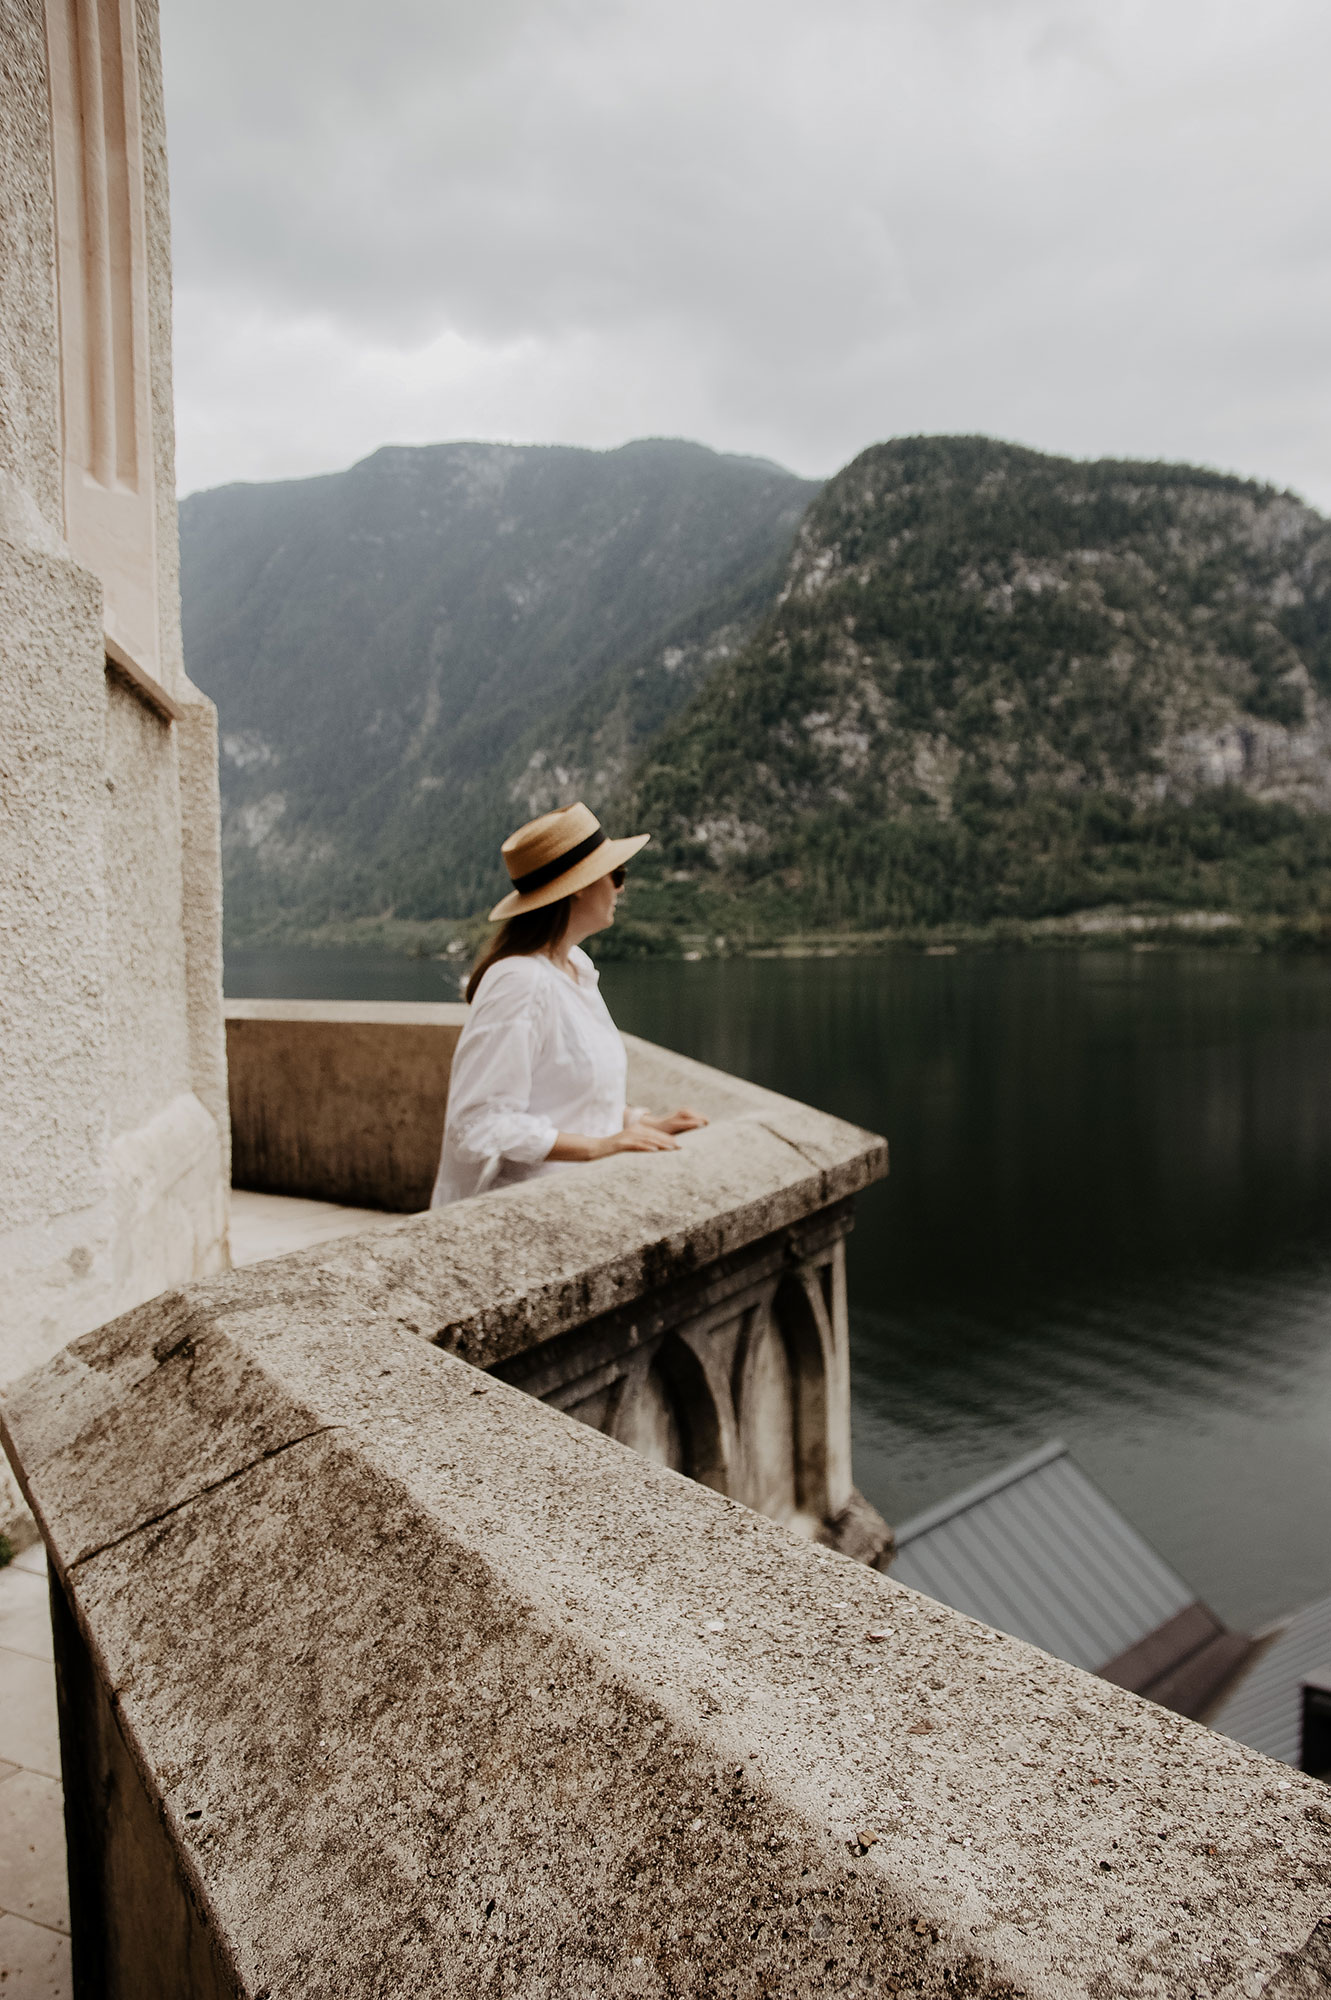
<point x="784" y="227"/>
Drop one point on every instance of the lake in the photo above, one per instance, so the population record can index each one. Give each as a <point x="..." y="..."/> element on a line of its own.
<point x="1108" y="1219"/>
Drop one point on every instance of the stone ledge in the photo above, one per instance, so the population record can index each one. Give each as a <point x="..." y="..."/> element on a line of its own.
<point x="446" y="1014"/>
<point x="435" y="1690"/>
<point x="496" y="1274"/>
<point x="141" y="683"/>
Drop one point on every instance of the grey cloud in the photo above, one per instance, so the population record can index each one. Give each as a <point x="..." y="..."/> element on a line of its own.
<point x="787" y="228"/>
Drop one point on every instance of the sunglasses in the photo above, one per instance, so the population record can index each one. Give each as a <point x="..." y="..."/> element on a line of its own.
<point x="617" y="876"/>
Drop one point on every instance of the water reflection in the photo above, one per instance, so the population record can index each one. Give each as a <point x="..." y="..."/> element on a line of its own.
<point x="1109" y="1217"/>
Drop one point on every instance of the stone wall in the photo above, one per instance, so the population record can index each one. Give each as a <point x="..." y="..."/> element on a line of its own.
<point x="381" y="1677"/>
<point x="113" y="1140"/>
<point x="340" y="1100"/>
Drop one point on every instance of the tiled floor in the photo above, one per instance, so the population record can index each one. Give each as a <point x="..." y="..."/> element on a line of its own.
<point x="268" y="1225"/>
<point x="34" y="1907"/>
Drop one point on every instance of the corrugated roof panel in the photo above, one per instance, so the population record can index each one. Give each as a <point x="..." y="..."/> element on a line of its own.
<point x="1040" y="1552"/>
<point x="987" y="1564"/>
<point x="1265" y="1709"/>
<point x="1137" y="1581"/>
<point x="1087" y="1588"/>
<point x="1032" y="1595"/>
<point x="945" y="1510"/>
<point x="963" y="1569"/>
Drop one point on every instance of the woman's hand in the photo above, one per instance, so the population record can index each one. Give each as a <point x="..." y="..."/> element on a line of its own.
<point x="682" y="1119"/>
<point x="641" y="1138"/>
<point x="645" y="1136"/>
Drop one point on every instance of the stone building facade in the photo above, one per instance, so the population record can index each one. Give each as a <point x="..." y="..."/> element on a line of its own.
<point x="113" y="1113"/>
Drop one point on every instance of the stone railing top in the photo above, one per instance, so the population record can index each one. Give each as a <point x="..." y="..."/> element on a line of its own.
<point x="372" y="1013"/>
<point x="440" y="1692"/>
<point x="489" y="1276"/>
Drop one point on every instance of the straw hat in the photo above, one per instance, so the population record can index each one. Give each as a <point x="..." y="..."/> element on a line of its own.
<point x="556" y="855"/>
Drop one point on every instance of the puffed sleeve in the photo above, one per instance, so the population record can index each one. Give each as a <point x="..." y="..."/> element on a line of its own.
<point x="489" y="1090"/>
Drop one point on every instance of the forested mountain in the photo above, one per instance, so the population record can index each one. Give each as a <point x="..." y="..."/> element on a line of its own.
<point x="411" y="656"/>
<point x="996" y="683"/>
<point x="968" y="682"/>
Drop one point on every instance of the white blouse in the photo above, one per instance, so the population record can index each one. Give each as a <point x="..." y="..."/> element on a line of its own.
<point x="538" y="1055"/>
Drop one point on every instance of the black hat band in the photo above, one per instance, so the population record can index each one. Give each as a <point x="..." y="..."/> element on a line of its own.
<point x="549" y="870"/>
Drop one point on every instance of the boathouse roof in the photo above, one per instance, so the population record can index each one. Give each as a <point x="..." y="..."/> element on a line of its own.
<point x="1039" y="1551"/>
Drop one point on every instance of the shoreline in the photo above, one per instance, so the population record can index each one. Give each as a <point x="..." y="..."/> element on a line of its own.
<point x="1140" y="930"/>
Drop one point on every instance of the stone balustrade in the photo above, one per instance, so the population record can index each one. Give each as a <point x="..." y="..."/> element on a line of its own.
<point x="380" y="1676"/>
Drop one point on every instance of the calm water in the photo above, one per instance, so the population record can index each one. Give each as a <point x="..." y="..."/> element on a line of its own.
<point x="1109" y="1217"/>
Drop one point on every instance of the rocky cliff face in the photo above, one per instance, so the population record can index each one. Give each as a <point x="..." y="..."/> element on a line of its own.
<point x="987" y="670"/>
<point x="411" y="656"/>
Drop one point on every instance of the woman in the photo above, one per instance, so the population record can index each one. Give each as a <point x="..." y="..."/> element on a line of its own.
<point x="539" y="1072"/>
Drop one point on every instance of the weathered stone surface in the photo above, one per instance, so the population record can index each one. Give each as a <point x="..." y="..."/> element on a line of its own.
<point x="113" y="1153"/>
<point x="1305" y="1973"/>
<point x="492" y="1276"/>
<point x="139" y="1929"/>
<point x="738" y="1376"/>
<point x="340" y="1100"/>
<point x="435" y="1690"/>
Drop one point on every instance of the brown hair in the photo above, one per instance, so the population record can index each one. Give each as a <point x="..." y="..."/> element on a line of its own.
<point x="530" y="930"/>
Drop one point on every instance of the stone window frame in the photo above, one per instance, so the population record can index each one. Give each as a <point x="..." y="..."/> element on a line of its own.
<point x="107" y="461"/>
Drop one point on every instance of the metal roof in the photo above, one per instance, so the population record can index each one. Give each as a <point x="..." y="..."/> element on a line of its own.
<point x="1265" y="1710"/>
<point x="1038" y="1551"/>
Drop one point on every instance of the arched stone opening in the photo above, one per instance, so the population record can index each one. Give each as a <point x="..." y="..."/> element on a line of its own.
<point x="648" y="1421"/>
<point x="668" y="1413"/>
<point x="765" y="1394"/>
<point x="806" y="1340"/>
<point x="744" y="1387"/>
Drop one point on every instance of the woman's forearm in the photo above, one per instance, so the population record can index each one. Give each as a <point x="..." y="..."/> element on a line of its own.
<point x="577" y="1146"/>
<point x="633" y="1139"/>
